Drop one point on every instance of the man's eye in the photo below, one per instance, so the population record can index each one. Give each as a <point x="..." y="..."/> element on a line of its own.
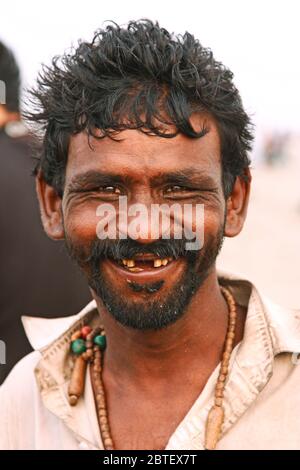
<point x="175" y="188"/>
<point x="110" y="189"/>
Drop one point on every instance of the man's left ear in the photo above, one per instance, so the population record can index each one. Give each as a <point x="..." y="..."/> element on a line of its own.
<point x="237" y="204"/>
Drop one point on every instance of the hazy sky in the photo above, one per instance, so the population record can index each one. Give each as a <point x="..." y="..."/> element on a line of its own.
<point x="258" y="40"/>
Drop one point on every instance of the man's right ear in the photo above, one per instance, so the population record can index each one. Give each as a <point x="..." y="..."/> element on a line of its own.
<point x="50" y="208"/>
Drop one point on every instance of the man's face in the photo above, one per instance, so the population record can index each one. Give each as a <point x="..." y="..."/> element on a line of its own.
<point x="146" y="282"/>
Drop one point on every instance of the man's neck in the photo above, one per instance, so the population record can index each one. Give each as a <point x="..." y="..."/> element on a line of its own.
<point x="196" y="339"/>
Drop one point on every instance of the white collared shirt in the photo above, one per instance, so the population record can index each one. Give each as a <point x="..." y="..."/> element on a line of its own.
<point x="261" y="399"/>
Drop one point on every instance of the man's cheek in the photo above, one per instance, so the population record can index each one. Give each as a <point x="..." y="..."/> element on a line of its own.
<point x="80" y="227"/>
<point x="204" y="229"/>
<point x="194" y="226"/>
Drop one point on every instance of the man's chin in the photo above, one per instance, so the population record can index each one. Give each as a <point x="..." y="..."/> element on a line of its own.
<point x="138" y="315"/>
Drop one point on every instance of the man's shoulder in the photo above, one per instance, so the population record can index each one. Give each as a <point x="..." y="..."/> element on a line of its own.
<point x="20" y="403"/>
<point x="282" y="323"/>
<point x="17" y="394"/>
<point x="284" y="327"/>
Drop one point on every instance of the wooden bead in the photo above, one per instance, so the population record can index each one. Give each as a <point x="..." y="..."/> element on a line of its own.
<point x="220" y="386"/>
<point x="219" y="393"/>
<point x="89" y="353"/>
<point x="103" y="420"/>
<point x="213" y="427"/>
<point x="73" y="399"/>
<point x="108" y="444"/>
<point x="76" y="335"/>
<point x="87" y="357"/>
<point x="101" y="405"/>
<point x="228" y="351"/>
<point x="77" y="381"/>
<point x="97" y="384"/>
<point x="104" y="427"/>
<point x="226" y="356"/>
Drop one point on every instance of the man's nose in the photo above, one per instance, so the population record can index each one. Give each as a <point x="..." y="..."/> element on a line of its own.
<point x="141" y="222"/>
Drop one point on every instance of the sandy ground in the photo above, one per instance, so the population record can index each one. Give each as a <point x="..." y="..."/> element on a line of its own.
<point x="267" y="250"/>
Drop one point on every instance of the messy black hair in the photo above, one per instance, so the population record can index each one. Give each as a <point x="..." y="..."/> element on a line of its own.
<point x="137" y="77"/>
<point x="10" y="75"/>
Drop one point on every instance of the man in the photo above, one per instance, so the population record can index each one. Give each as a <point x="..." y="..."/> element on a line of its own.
<point x="146" y="118"/>
<point x="35" y="275"/>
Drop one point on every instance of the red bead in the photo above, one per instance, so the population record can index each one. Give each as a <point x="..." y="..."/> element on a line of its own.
<point x="85" y="330"/>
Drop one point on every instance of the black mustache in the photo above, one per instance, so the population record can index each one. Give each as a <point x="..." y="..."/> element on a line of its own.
<point x="128" y="248"/>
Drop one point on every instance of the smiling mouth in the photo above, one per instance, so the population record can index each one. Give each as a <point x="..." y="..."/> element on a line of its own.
<point x="144" y="268"/>
<point x="145" y="262"/>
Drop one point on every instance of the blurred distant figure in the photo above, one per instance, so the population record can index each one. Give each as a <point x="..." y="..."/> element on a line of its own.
<point x="34" y="275"/>
<point x="275" y="148"/>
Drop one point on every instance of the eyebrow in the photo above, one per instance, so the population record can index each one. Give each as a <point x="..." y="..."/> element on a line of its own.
<point x="186" y="177"/>
<point x="94" y="178"/>
<point x="183" y="177"/>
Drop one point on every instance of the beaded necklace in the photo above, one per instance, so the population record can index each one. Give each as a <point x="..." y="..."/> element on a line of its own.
<point x="88" y="345"/>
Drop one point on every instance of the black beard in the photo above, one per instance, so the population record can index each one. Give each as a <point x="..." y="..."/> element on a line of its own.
<point x="148" y="314"/>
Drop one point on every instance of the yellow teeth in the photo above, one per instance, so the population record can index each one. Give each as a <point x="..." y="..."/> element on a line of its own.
<point x="157" y="263"/>
<point x="130" y="263"/>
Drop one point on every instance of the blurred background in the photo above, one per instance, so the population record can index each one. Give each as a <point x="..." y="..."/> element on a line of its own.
<point x="259" y="41"/>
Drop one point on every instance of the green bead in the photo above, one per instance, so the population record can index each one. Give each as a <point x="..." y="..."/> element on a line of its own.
<point x="100" y="340"/>
<point x="78" y="346"/>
